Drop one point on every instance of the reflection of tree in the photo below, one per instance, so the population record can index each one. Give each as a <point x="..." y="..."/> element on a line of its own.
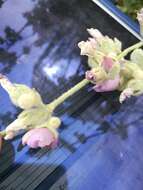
<point x="62" y="34"/>
<point x="7" y="118"/>
<point x="54" y="26"/>
<point x="11" y="36"/>
<point x="1" y="3"/>
<point x="60" y="25"/>
<point x="8" y="60"/>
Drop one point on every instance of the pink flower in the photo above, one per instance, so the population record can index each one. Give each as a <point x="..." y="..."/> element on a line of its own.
<point x="89" y="75"/>
<point x="40" y="137"/>
<point x="107" y="85"/>
<point x="107" y="63"/>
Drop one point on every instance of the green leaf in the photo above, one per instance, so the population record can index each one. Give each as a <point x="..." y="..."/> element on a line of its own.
<point x="137" y="57"/>
<point x="130" y="7"/>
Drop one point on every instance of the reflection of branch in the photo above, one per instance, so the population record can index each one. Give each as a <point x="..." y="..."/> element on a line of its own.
<point x="1" y="3"/>
<point x="18" y="34"/>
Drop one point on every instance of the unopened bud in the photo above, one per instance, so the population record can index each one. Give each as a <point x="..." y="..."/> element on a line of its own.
<point x="21" y="95"/>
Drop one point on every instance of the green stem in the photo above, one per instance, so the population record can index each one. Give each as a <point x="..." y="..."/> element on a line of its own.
<point x="129" y="49"/>
<point x="67" y="94"/>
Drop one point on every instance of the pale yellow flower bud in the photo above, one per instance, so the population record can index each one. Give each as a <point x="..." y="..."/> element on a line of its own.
<point x="13" y="129"/>
<point x="95" y="33"/>
<point x="52" y="124"/>
<point x="30" y="119"/>
<point x="99" y="46"/>
<point x="55" y="122"/>
<point x="32" y="99"/>
<point x="127" y="93"/>
<point x="99" y="74"/>
<point x="21" y="95"/>
<point x="86" y="48"/>
<point x="33" y="117"/>
<point x="10" y="135"/>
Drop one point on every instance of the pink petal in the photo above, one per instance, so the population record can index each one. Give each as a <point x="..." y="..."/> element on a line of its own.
<point x="26" y="137"/>
<point x="89" y="75"/>
<point x="107" y="63"/>
<point x="40" y="137"/>
<point x="32" y="143"/>
<point x="108" y="85"/>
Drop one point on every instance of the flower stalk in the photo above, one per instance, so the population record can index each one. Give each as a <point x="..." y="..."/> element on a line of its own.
<point x="129" y="49"/>
<point x="67" y="94"/>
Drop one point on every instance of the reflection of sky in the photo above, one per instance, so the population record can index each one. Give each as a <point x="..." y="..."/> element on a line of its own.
<point x="62" y="68"/>
<point x="25" y="66"/>
<point x="11" y="14"/>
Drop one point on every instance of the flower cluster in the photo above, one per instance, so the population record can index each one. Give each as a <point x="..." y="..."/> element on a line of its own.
<point x="109" y="69"/>
<point x="99" y="46"/>
<point x="36" y="118"/>
<point x="102" y="53"/>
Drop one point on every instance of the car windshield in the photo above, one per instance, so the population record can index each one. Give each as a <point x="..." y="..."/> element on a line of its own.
<point x="38" y="47"/>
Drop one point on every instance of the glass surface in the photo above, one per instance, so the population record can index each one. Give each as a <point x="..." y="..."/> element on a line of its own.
<point x="100" y="140"/>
